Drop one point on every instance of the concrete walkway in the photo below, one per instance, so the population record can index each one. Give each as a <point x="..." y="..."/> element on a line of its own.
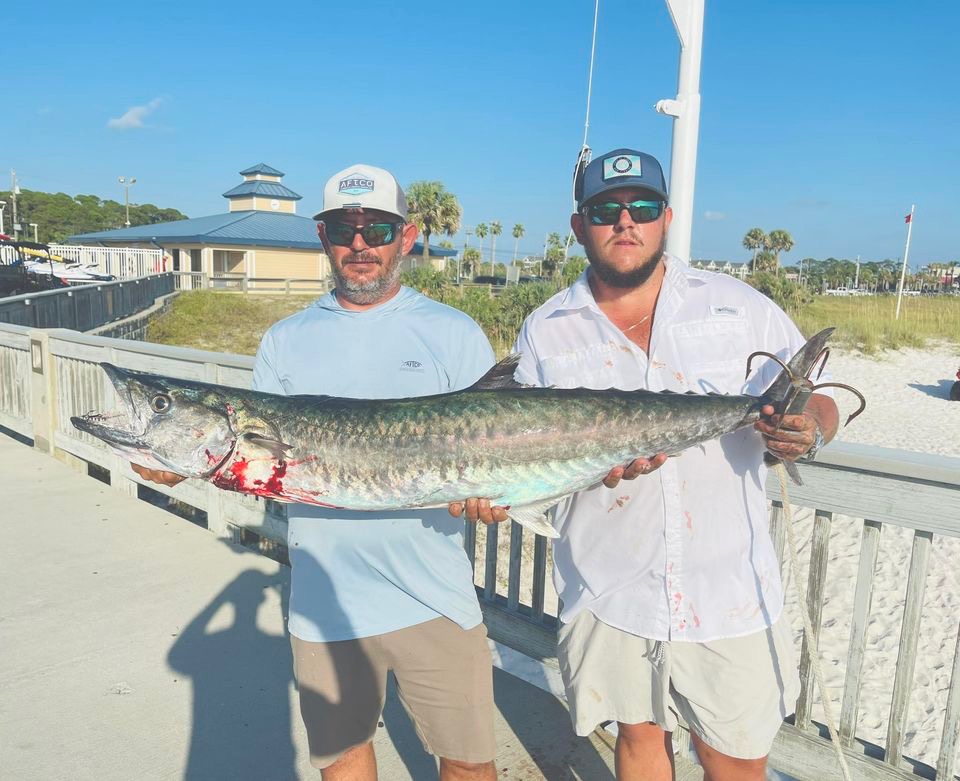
<point x="135" y="645"/>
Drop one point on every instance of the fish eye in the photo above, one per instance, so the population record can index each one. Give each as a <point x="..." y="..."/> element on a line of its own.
<point x="161" y="403"/>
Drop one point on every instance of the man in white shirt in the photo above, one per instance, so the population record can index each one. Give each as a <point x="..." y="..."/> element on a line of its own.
<point x="669" y="584"/>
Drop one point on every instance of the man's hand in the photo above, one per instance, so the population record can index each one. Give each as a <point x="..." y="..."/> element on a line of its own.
<point x="798" y="432"/>
<point x="478" y="510"/>
<point x="633" y="470"/>
<point x="795" y="437"/>
<point x="169" y="479"/>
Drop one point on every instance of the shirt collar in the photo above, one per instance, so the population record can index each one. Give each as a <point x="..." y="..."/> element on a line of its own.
<point x="677" y="278"/>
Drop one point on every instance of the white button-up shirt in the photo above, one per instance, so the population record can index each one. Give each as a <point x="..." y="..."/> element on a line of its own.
<point x="683" y="553"/>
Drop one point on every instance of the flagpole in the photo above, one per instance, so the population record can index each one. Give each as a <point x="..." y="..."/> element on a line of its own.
<point x="906" y="254"/>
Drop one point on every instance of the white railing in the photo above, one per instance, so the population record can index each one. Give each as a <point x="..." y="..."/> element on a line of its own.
<point x="47" y="376"/>
<point x="121" y="262"/>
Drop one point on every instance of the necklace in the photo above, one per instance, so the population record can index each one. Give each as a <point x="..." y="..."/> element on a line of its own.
<point x="639" y="322"/>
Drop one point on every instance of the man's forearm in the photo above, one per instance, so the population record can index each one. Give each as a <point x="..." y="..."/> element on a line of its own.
<point x="823" y="409"/>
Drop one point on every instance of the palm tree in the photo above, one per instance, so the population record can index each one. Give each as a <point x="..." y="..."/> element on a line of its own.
<point x="755" y="240"/>
<point x="495" y="230"/>
<point x="517" y="235"/>
<point x="779" y="241"/>
<point x="433" y="209"/>
<point x="481" y="230"/>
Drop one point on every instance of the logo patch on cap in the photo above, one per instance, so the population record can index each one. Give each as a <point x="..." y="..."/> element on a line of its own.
<point x="355" y="185"/>
<point x="621" y="165"/>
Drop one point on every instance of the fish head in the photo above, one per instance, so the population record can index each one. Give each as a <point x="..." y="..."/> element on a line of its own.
<point x="165" y="423"/>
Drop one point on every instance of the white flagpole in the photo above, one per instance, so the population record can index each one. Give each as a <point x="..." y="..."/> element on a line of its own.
<point x="906" y="254"/>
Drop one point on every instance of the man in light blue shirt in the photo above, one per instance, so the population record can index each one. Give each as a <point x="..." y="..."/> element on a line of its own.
<point x="378" y="592"/>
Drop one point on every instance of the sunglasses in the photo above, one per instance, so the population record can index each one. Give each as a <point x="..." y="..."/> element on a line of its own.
<point x="374" y="235"/>
<point x="608" y="213"/>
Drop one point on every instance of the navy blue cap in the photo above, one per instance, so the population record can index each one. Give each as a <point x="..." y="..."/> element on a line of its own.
<point x="620" y="168"/>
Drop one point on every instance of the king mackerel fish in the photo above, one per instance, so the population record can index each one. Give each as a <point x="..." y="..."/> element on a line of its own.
<point x="525" y="448"/>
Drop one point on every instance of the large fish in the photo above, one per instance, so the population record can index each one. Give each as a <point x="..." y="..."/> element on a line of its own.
<point x="524" y="448"/>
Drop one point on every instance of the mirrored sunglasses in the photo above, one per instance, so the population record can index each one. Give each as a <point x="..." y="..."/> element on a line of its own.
<point x="608" y="213"/>
<point x="374" y="235"/>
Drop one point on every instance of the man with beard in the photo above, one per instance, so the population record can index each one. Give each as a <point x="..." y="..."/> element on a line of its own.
<point x="669" y="584"/>
<point x="373" y="593"/>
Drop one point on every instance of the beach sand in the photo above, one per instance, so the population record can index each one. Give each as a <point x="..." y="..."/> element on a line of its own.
<point x="908" y="408"/>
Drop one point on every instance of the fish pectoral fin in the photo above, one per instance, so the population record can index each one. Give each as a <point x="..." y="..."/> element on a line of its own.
<point x="267" y="442"/>
<point x="533" y="517"/>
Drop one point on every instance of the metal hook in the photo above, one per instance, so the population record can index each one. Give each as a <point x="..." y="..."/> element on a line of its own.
<point x="772" y="357"/>
<point x="824" y="353"/>
<point x="854" y="391"/>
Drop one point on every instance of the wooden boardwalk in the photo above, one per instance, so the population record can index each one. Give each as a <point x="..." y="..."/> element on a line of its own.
<point x="137" y="645"/>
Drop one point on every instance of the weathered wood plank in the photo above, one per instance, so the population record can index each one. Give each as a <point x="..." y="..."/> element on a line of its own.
<point x="869" y="547"/>
<point x="516" y="559"/>
<point x="806" y="756"/>
<point x="907" y="654"/>
<point x="539" y="575"/>
<point x="816" y="582"/>
<point x="490" y="570"/>
<point x="951" y="720"/>
<point x="470" y="543"/>
<point x="912" y="502"/>
<point x="519" y="631"/>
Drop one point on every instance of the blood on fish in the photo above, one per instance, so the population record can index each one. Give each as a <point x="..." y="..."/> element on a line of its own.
<point x="689" y="519"/>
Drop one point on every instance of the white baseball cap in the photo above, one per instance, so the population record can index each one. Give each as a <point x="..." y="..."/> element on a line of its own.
<point x="363" y="187"/>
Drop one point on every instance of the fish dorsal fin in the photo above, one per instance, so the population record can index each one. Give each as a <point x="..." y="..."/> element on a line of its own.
<point x="534" y="518"/>
<point x="500" y="375"/>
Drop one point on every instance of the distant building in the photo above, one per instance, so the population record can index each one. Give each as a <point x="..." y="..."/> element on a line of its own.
<point x="261" y="236"/>
<point x="734" y="269"/>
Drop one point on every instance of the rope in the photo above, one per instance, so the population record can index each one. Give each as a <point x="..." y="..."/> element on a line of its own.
<point x="808" y="626"/>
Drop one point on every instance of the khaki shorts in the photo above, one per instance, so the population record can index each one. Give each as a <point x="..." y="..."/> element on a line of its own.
<point x="732" y="693"/>
<point x="444" y="679"/>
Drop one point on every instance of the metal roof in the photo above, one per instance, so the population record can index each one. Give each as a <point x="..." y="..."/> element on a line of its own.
<point x="435" y="251"/>
<point x="259" y="187"/>
<point x="243" y="228"/>
<point x="262" y="168"/>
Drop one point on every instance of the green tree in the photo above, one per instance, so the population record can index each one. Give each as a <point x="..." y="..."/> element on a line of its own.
<point x="518" y="232"/>
<point x="495" y="230"/>
<point x="481" y="230"/>
<point x="433" y="209"/>
<point x="59" y="216"/>
<point x="471" y="258"/>
<point x="779" y="241"/>
<point x="755" y="240"/>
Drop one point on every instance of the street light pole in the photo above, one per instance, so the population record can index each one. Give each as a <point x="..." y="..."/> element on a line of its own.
<point x="3" y="205"/>
<point x="127" y="184"/>
<point x="34" y="226"/>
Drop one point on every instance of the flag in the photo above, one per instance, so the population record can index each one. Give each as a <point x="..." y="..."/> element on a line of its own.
<point x="908" y="218"/>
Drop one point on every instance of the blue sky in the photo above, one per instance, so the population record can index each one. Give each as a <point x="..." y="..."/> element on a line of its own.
<point x="825" y="119"/>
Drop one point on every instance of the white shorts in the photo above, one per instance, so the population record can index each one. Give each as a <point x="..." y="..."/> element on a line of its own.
<point x="733" y="693"/>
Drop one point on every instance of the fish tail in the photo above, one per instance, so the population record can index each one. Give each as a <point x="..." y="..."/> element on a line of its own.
<point x="791" y="391"/>
<point x="788" y="394"/>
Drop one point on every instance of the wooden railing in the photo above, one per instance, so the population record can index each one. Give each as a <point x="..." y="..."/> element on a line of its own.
<point x="48" y="375"/>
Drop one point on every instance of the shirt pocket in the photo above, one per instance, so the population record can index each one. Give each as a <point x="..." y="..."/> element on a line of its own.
<point x="598" y="366"/>
<point x="714" y="352"/>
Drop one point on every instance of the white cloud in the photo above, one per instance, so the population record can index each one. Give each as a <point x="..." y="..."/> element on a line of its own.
<point x="715" y="216"/>
<point x="134" y="116"/>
